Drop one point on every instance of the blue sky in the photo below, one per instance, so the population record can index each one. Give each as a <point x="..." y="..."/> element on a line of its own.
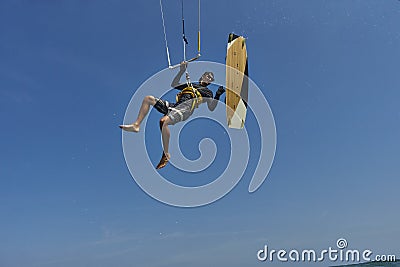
<point x="68" y="70"/>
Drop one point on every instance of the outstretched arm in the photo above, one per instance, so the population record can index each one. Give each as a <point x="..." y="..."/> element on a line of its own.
<point x="176" y="81"/>
<point x="212" y="103"/>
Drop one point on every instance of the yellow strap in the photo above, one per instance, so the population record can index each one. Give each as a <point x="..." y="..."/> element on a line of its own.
<point x="197" y="98"/>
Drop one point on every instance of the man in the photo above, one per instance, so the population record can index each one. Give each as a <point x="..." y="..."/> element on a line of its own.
<point x="188" y="99"/>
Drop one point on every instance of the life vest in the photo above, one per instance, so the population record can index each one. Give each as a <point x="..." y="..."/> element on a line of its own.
<point x="196" y="96"/>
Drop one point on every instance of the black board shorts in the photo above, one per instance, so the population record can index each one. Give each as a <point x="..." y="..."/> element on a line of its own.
<point x="176" y="112"/>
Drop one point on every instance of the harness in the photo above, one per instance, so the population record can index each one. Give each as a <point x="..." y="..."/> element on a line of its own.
<point x="194" y="93"/>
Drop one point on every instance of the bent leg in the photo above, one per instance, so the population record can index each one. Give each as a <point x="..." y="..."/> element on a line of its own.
<point x="165" y="133"/>
<point x="144" y="110"/>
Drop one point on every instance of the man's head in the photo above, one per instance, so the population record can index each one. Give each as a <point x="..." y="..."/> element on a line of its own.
<point x="207" y="78"/>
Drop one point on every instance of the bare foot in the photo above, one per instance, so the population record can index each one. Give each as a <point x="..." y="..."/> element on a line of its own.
<point x="130" y="127"/>
<point x="163" y="161"/>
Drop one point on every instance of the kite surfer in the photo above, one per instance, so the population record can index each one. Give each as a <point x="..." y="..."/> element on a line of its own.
<point x="191" y="95"/>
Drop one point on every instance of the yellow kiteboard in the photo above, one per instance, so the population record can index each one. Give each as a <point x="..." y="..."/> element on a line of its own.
<point x="237" y="83"/>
